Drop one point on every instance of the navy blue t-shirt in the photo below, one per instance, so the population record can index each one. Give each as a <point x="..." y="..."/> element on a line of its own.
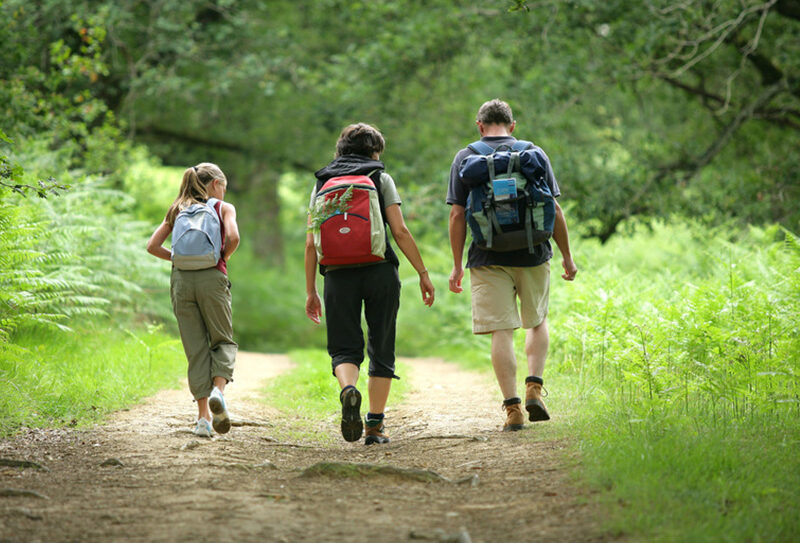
<point x="457" y="193"/>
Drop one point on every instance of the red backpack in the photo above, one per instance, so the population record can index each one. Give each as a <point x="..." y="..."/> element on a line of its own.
<point x="353" y="233"/>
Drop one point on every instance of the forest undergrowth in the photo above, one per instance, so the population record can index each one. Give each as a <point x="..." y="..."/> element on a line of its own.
<point x="677" y="347"/>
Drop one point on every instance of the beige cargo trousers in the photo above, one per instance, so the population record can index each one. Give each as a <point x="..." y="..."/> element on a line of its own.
<point x="201" y="301"/>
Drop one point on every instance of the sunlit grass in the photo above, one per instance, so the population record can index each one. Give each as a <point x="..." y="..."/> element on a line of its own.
<point x="666" y="479"/>
<point x="681" y="355"/>
<point x="73" y="379"/>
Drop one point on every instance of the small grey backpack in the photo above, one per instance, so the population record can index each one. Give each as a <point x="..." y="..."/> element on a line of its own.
<point x="197" y="237"/>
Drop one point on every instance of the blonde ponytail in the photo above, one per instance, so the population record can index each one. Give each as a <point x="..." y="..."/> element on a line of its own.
<point x="194" y="188"/>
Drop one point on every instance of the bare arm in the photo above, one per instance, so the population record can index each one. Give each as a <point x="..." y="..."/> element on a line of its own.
<point x="405" y="241"/>
<point x="231" y="230"/>
<point x="457" y="228"/>
<point x="561" y="237"/>
<point x="313" y="303"/>
<point x="155" y="245"/>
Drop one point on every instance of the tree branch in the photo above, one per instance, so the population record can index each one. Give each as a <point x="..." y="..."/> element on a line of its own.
<point x="196" y="141"/>
<point x="698" y="91"/>
<point x="692" y="167"/>
<point x="745" y="114"/>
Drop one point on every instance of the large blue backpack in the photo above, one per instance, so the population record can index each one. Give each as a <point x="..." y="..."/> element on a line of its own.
<point x="197" y="237"/>
<point x="510" y="205"/>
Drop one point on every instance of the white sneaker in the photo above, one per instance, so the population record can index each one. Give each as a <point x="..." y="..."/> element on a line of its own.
<point x="203" y="428"/>
<point x="221" y="421"/>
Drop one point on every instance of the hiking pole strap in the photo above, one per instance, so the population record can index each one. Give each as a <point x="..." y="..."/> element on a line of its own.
<point x="493" y="223"/>
<point x="529" y="226"/>
<point x="490" y="233"/>
<point x="513" y="162"/>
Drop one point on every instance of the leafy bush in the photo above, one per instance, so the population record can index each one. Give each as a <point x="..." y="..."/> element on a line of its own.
<point x="684" y="351"/>
<point x="705" y="325"/>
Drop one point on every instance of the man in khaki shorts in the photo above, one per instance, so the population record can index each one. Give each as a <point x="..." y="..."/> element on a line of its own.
<point x="499" y="278"/>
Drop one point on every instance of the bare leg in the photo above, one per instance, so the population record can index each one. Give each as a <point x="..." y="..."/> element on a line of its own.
<point x="378" y="393"/>
<point x="537" y="341"/>
<point x="504" y="362"/>
<point x="203" y="412"/>
<point x="220" y="383"/>
<point x="347" y="374"/>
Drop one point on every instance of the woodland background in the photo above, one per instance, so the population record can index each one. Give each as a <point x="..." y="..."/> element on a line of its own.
<point x="672" y="127"/>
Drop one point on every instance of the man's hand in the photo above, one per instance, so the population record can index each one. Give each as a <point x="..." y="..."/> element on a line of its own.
<point x="314" y="307"/>
<point x="455" y="280"/>
<point x="570" y="269"/>
<point x="426" y="287"/>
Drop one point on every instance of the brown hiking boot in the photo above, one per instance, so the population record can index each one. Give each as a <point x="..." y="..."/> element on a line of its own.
<point x="514" y="417"/>
<point x="373" y="432"/>
<point x="534" y="403"/>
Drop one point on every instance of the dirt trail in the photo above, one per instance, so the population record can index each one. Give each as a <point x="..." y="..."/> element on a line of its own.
<point x="458" y="477"/>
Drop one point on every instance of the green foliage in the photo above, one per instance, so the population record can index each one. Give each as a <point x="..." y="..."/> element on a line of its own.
<point x="322" y="210"/>
<point x="645" y="110"/>
<point x="668" y="479"/>
<point x="78" y="254"/>
<point x="153" y="187"/>
<point x="76" y="378"/>
<point x="680" y="346"/>
<point x="11" y="174"/>
<point x="38" y="287"/>
<point x="704" y="325"/>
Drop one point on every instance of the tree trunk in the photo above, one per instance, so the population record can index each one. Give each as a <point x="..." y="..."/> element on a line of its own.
<point x="264" y="207"/>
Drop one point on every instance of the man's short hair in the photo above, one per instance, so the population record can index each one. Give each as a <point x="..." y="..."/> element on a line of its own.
<point x="360" y="139"/>
<point x="495" y="112"/>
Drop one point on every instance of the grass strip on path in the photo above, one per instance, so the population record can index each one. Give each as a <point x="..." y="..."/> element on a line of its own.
<point x="309" y="395"/>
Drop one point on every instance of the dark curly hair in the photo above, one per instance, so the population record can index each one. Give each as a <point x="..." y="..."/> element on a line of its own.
<point x="495" y="112"/>
<point x="360" y="139"/>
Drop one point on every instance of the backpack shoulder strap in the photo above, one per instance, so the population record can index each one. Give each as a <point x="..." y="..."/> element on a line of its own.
<point x="375" y="175"/>
<point x="212" y="203"/>
<point x="481" y="147"/>
<point x="521" y="145"/>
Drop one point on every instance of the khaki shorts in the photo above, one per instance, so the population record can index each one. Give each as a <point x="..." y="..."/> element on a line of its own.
<point x="494" y="293"/>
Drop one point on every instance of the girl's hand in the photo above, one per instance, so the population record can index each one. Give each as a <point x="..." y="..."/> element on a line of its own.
<point x="426" y="287"/>
<point x="314" y="307"/>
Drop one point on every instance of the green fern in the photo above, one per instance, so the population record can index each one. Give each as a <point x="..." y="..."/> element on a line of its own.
<point x="324" y="209"/>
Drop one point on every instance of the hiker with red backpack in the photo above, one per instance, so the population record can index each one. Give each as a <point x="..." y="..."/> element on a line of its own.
<point x="352" y="202"/>
<point x="504" y="190"/>
<point x="204" y="236"/>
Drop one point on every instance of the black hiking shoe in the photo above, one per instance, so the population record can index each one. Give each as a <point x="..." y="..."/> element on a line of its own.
<point x="352" y="427"/>
<point x="374" y="432"/>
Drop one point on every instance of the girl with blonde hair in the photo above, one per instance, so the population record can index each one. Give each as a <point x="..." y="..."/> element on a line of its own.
<point x="201" y="298"/>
